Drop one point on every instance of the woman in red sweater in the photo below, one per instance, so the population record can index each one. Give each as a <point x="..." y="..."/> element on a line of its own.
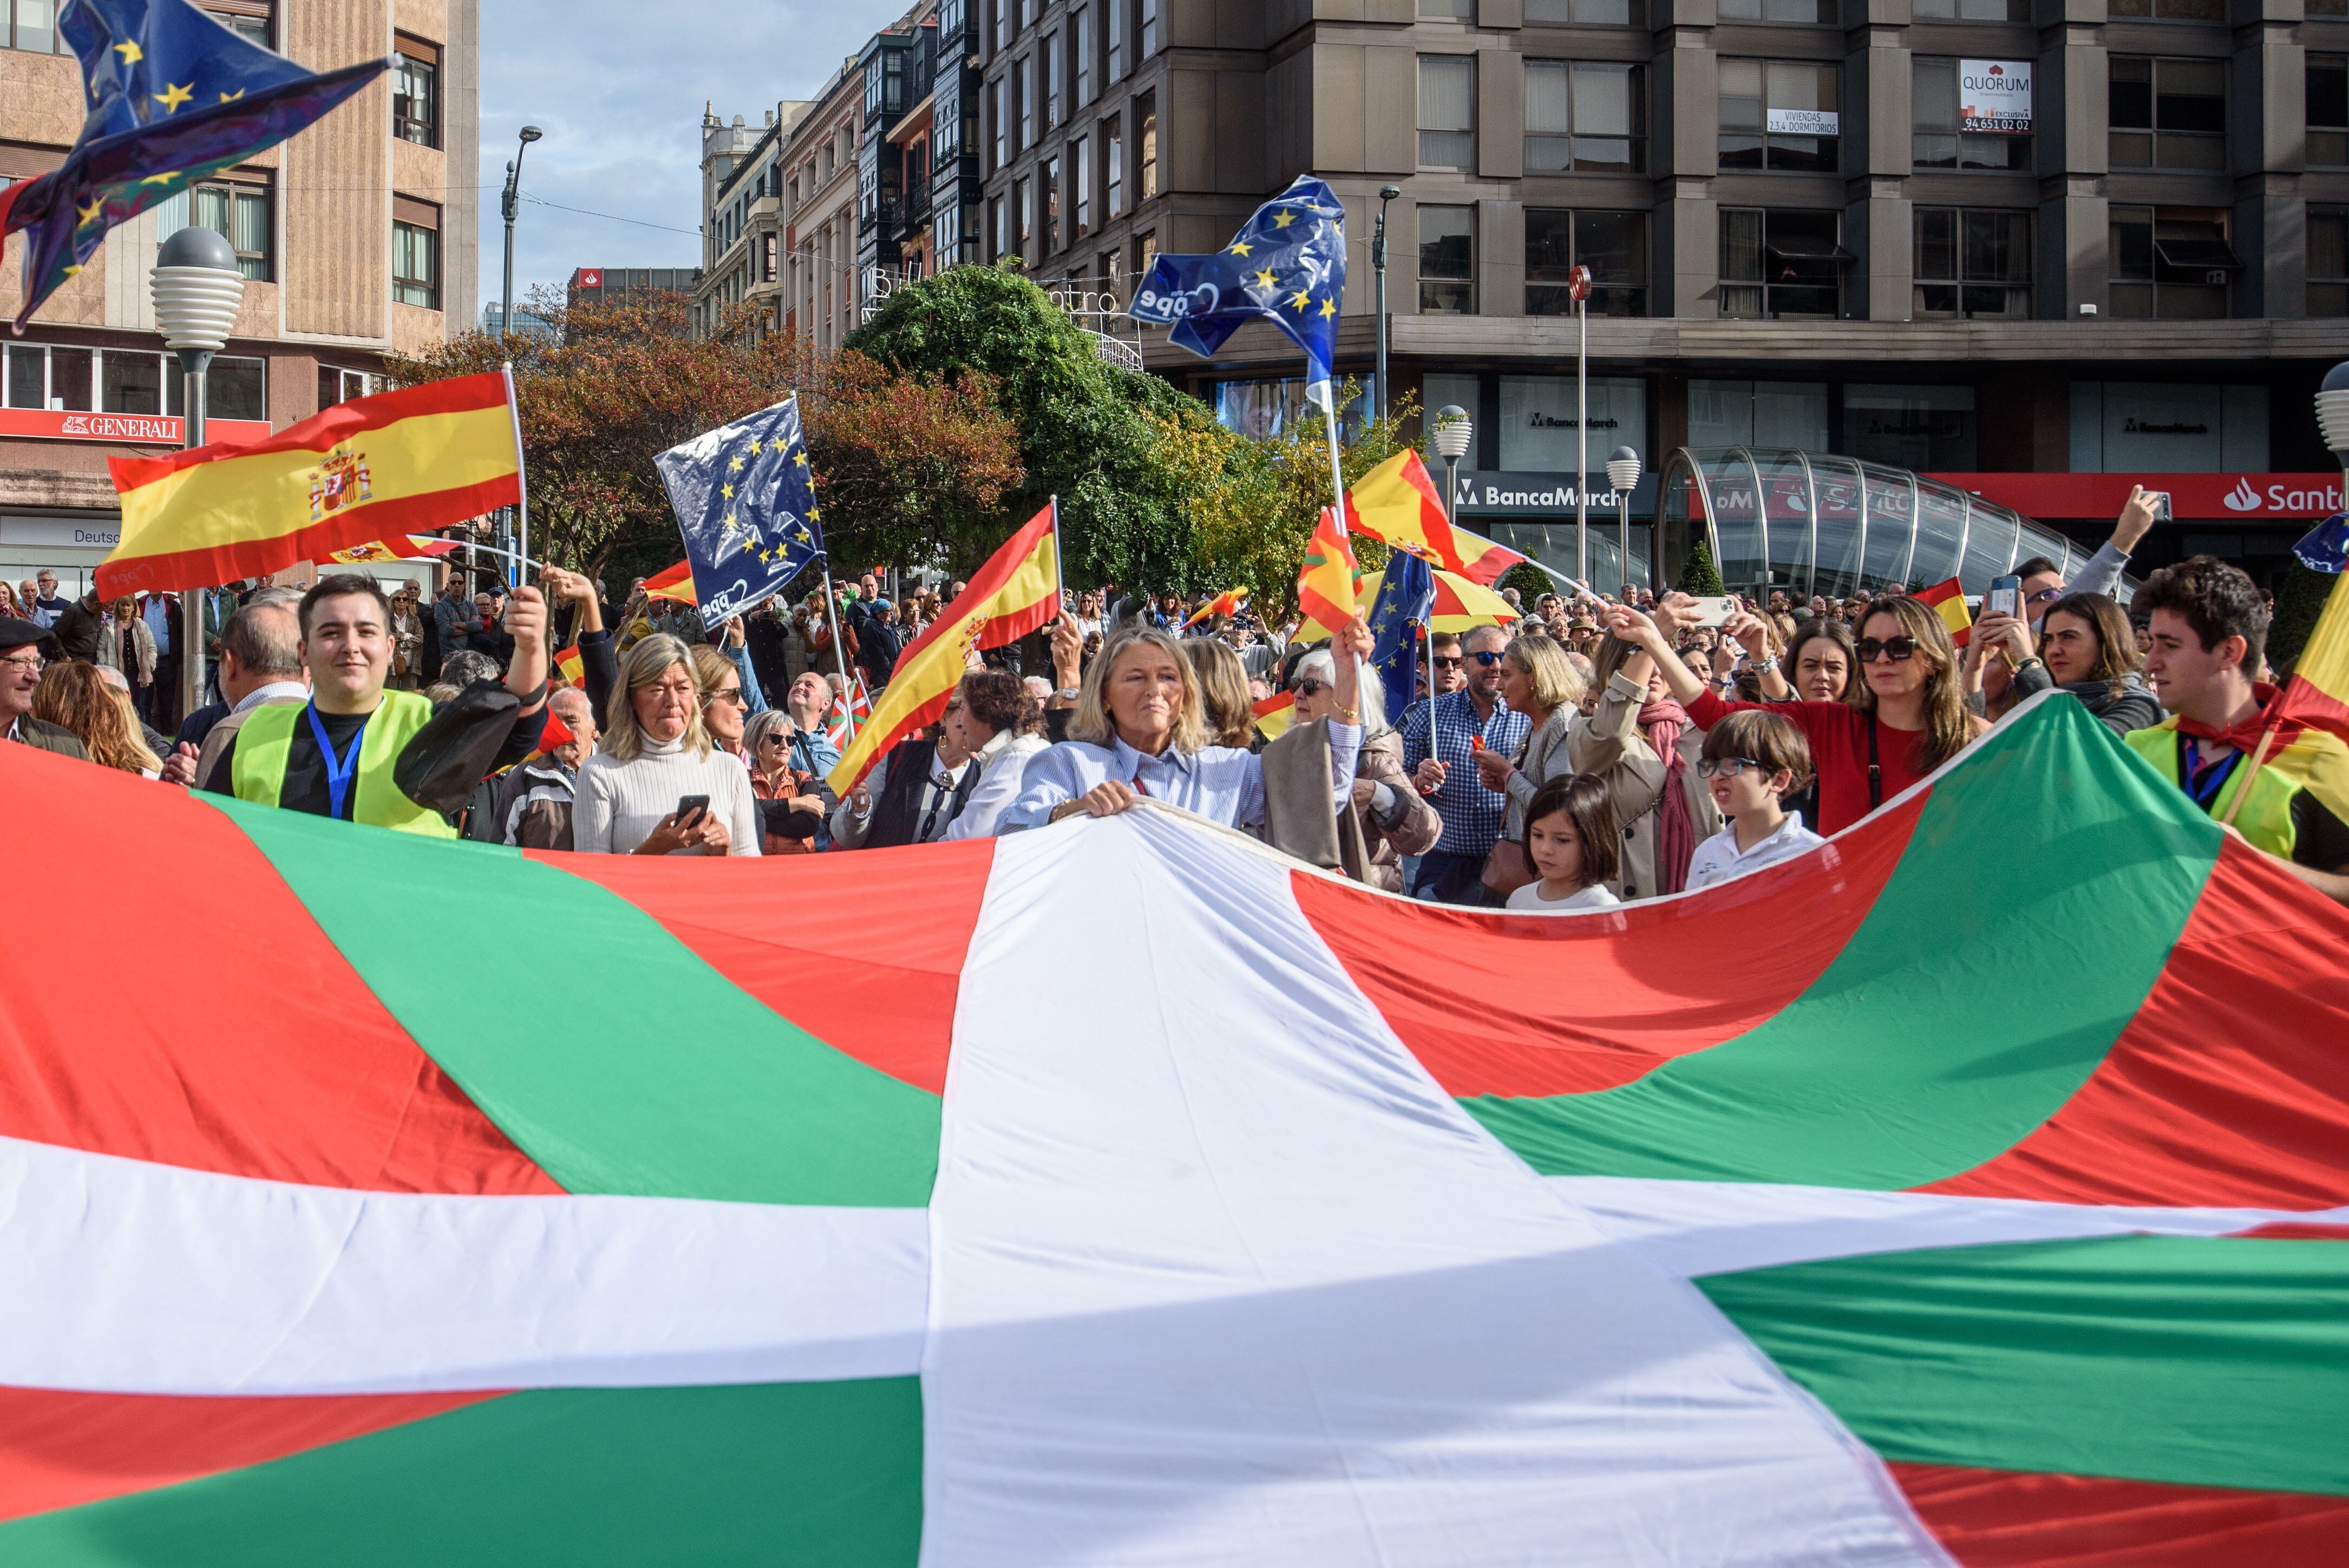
<point x="1910" y="719"/>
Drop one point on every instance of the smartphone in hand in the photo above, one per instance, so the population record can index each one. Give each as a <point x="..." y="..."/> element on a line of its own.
<point x="690" y="810"/>
<point x="1717" y="609"/>
<point x="2005" y="598"/>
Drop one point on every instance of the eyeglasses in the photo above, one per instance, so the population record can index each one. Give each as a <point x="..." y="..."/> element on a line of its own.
<point x="23" y="662"/>
<point x="1308" y="687"/>
<point x="1725" y="767"/>
<point x="1899" y="650"/>
<point x="733" y="695"/>
<point x="1488" y="657"/>
<point x="1444" y="663"/>
<point x="2046" y="596"/>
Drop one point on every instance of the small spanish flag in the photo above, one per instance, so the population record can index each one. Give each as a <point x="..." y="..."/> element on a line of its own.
<point x="1016" y="593"/>
<point x="366" y="470"/>
<point x="1398" y="501"/>
<point x="1326" y="587"/>
<point x="1275" y="714"/>
<point x="677" y="583"/>
<point x="571" y="665"/>
<point x="2318" y="692"/>
<point x="1948" y="602"/>
<point x="1230" y="602"/>
<point x="398" y="547"/>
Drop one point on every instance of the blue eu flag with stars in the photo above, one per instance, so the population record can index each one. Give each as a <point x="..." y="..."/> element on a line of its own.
<point x="1286" y="265"/>
<point x="172" y="96"/>
<point x="745" y="500"/>
<point x="1406" y="601"/>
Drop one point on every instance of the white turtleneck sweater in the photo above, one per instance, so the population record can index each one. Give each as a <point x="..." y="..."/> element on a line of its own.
<point x="618" y="804"/>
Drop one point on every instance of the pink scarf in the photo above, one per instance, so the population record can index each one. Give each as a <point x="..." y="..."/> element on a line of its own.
<point x="1662" y="722"/>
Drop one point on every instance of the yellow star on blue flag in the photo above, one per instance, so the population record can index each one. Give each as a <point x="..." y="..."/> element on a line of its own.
<point x="745" y="502"/>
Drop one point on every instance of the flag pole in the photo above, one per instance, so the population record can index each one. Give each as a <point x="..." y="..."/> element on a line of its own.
<point x="831" y="615"/>
<point x="514" y="556"/>
<point x="521" y="475"/>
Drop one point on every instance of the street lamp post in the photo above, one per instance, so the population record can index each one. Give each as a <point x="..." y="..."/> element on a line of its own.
<point x="2333" y="420"/>
<point x="509" y="202"/>
<point x="1622" y="473"/>
<point x="1379" y="269"/>
<point x="1452" y="429"/>
<point x="197" y="289"/>
<point x="1578" y="289"/>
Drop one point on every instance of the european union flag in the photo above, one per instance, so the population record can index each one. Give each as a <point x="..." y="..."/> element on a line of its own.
<point x="745" y="500"/>
<point x="2325" y="547"/>
<point x="174" y="98"/>
<point x="1405" y="603"/>
<point x="1286" y="265"/>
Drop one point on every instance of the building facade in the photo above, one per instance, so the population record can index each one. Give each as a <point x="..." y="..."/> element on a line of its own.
<point x="351" y="247"/>
<point x="2016" y="241"/>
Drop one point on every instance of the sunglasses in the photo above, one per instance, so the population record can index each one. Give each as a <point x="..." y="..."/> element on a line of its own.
<point x="1487" y="658"/>
<point x="2044" y="596"/>
<point x="1899" y="650"/>
<point x="734" y="696"/>
<point x="1725" y="767"/>
<point x="1308" y="687"/>
<point x="1444" y="663"/>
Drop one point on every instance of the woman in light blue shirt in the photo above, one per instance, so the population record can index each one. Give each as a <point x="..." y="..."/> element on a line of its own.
<point x="1139" y="730"/>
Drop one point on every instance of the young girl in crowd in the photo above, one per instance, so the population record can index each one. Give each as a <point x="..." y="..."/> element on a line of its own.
<point x="1570" y="837"/>
<point x="1751" y="759"/>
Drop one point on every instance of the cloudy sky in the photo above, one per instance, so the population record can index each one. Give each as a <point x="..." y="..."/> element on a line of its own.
<point x="618" y="86"/>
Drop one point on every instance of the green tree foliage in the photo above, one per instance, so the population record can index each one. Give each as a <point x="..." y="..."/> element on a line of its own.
<point x="1699" y="576"/>
<point x="2300" y="599"/>
<point x="1089" y="431"/>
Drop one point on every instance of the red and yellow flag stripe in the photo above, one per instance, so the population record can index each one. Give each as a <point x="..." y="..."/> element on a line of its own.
<point x="1398" y="501"/>
<point x="677" y="583"/>
<point x="377" y="468"/>
<point x="1016" y="593"/>
<point x="1326" y="588"/>
<point x="1230" y="602"/>
<point x="1948" y="600"/>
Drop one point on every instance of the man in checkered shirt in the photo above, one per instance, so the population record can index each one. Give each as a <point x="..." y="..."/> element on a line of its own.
<point x="1449" y="872"/>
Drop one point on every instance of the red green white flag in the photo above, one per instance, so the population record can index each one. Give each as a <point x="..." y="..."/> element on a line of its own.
<point x="1149" y="1198"/>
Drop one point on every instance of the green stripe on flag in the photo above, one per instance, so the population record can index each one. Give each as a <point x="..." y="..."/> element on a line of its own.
<point x="2193" y="1360"/>
<point x="609" y="1051"/>
<point x="1947" y="1029"/>
<point x="780" y="1473"/>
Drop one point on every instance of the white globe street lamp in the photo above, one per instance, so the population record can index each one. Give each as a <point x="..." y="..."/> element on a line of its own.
<point x="1452" y="429"/>
<point x="197" y="289"/>
<point x="1622" y="473"/>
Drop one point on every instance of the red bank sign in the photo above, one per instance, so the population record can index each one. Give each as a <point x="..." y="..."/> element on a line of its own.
<point x="2225" y="497"/>
<point x="133" y="429"/>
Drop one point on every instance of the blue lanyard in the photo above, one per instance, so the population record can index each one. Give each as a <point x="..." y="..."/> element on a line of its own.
<point x="2219" y="773"/>
<point x="338" y="768"/>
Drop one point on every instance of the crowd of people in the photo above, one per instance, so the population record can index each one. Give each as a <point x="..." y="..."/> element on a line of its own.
<point x="1588" y="752"/>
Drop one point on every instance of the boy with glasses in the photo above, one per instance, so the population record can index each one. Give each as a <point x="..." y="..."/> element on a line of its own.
<point x="1753" y="759"/>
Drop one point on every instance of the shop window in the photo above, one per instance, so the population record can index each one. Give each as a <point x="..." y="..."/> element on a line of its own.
<point x="1921" y="429"/>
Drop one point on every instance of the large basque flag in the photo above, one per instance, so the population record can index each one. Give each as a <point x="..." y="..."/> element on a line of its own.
<point x="358" y="473"/>
<point x="1131" y="1202"/>
<point x="1286" y="265"/>
<point x="745" y="500"/>
<point x="172" y="98"/>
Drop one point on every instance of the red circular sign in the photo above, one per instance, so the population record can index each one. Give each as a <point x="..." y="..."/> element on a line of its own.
<point x="1577" y="284"/>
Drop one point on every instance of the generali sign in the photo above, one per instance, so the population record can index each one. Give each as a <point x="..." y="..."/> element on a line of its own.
<point x="2205" y="497"/>
<point x="124" y="429"/>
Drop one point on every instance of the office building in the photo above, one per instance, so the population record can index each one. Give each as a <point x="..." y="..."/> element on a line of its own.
<point x="350" y="250"/>
<point x="2042" y="246"/>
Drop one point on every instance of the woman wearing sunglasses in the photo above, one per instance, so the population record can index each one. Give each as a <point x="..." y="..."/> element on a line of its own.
<point x="1395" y="819"/>
<point x="1909" y="717"/>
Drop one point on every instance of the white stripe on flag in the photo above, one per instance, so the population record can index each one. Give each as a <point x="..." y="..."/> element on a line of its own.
<point x="1691" y="1229"/>
<point x="152" y="1279"/>
<point x="1221" y="1275"/>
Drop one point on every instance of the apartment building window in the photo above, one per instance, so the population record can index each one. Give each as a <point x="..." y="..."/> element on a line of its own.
<point x="1023" y="88"/>
<point x="2171" y="264"/>
<point x="1447" y="111"/>
<point x="1152" y="36"/>
<point x="1447" y="261"/>
<point x="1943" y="136"/>
<point x="997" y="238"/>
<point x="1145" y="119"/>
<point x="1448" y="10"/>
<point x="767" y="260"/>
<point x="33" y="29"/>
<point x="1005" y="13"/>
<point x="1049" y="193"/>
<point x="416" y="92"/>
<point x="1972" y="263"/>
<point x="1081" y="188"/>
<point x="416" y="264"/>
<point x="1586" y="117"/>
<point x="2173" y="10"/>
<point x="1023" y="197"/>
<point x="1080" y="52"/>
<point x="1811" y="11"/>
<point x="1116" y="33"/>
<point x="2169" y="114"/>
<point x="1780" y="114"/>
<point x="1051" y="56"/>
<point x="2328" y="262"/>
<point x="995" y="98"/>
<point x="1145" y="253"/>
<point x="1613" y="245"/>
<point x="1778" y="264"/>
<point x="238" y="211"/>
<point x="1114" y="168"/>
<point x="1586" y="13"/>
<point x="2328" y="110"/>
<point x="1972" y="10"/>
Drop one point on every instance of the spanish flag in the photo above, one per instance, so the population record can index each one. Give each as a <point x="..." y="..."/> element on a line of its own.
<point x="1016" y="593"/>
<point x="373" y="468"/>
<point x="1948" y="602"/>
<point x="677" y="583"/>
<point x="1398" y="502"/>
<point x="1275" y="714"/>
<point x="2317" y="695"/>
<point x="398" y="547"/>
<point x="571" y="665"/>
<point x="1326" y="588"/>
<point x="1230" y="602"/>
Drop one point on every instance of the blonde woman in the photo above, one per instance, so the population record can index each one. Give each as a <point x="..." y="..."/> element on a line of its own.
<point x="655" y="756"/>
<point x="1229" y="712"/>
<point x="1539" y="681"/>
<point x="74" y="697"/>
<point x="1140" y="729"/>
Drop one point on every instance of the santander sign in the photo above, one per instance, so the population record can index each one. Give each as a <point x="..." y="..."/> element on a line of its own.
<point x="2212" y="498"/>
